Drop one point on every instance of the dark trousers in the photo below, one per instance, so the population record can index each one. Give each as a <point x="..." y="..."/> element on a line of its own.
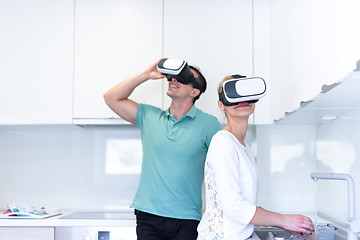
<point x="153" y="227"/>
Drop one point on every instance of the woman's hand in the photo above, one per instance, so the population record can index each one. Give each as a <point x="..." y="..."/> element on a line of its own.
<point x="296" y="223"/>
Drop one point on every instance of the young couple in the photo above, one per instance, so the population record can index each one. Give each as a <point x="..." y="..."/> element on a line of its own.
<point x="178" y="144"/>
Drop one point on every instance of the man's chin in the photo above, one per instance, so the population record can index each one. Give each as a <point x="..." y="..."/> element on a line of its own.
<point x="169" y="93"/>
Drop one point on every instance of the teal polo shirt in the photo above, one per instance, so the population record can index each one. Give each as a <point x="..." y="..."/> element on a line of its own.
<point x="174" y="155"/>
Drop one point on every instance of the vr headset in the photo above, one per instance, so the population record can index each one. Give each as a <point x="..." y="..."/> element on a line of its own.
<point x="242" y="89"/>
<point x="178" y="69"/>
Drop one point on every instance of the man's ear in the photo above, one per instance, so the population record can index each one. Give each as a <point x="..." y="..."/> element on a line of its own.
<point x="195" y="92"/>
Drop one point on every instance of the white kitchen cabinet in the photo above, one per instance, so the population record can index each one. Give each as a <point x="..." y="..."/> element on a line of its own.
<point x="216" y="36"/>
<point x="295" y="46"/>
<point x="28" y="233"/>
<point x="36" y="61"/>
<point x="312" y="43"/>
<point x="337" y="103"/>
<point x="114" y="39"/>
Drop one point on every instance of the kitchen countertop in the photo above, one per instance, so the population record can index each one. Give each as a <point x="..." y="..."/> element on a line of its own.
<point x="77" y="219"/>
<point x="103" y="218"/>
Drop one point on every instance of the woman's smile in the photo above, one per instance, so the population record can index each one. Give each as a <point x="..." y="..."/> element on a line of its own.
<point x="242" y="104"/>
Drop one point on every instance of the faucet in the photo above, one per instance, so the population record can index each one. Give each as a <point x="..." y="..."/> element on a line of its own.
<point x="353" y="224"/>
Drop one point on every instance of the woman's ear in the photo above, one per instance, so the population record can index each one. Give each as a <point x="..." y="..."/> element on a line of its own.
<point x="221" y="106"/>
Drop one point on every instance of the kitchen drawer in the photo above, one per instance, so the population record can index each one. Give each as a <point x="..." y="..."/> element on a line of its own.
<point x="28" y="233"/>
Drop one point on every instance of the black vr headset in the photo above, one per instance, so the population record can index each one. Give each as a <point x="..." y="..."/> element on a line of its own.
<point x="242" y="89"/>
<point x="178" y="69"/>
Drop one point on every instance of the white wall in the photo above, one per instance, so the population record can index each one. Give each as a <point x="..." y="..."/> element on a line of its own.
<point x="288" y="154"/>
<point x="338" y="149"/>
<point x="286" y="157"/>
<point x="62" y="167"/>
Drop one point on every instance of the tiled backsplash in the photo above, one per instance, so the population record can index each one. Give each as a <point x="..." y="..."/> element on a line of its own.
<point x="68" y="166"/>
<point x="63" y="166"/>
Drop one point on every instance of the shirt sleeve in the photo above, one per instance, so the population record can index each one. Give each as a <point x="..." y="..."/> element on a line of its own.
<point x="213" y="127"/>
<point x="139" y="115"/>
<point x="224" y="160"/>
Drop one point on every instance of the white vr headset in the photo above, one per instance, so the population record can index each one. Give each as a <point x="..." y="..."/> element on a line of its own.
<point x="178" y="69"/>
<point x="242" y="89"/>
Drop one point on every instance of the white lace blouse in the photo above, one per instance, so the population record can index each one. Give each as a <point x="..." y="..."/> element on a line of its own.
<point x="231" y="183"/>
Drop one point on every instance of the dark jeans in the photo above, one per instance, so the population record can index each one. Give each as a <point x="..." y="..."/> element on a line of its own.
<point x="153" y="227"/>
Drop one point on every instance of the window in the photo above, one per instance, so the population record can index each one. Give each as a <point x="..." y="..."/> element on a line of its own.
<point x="123" y="156"/>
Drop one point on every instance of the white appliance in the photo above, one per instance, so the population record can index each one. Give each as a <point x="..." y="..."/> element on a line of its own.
<point x="98" y="226"/>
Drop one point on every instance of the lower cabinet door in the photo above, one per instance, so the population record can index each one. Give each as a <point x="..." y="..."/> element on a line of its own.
<point x="27" y="233"/>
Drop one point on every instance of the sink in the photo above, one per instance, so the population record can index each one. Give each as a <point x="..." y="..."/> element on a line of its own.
<point x="263" y="232"/>
<point x="327" y="232"/>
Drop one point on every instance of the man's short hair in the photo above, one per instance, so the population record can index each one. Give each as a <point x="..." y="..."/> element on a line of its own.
<point x="200" y="81"/>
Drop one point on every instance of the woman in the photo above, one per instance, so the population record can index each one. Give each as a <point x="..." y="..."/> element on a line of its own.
<point x="231" y="183"/>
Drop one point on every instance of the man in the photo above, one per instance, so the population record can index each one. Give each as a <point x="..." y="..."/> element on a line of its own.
<point x="175" y="142"/>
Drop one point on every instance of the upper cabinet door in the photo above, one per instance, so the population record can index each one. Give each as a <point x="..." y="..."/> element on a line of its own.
<point x="215" y="36"/>
<point x="36" y="61"/>
<point x="313" y="43"/>
<point x="115" y="39"/>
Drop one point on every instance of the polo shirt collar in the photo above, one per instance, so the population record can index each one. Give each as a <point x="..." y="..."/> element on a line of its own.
<point x="191" y="113"/>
